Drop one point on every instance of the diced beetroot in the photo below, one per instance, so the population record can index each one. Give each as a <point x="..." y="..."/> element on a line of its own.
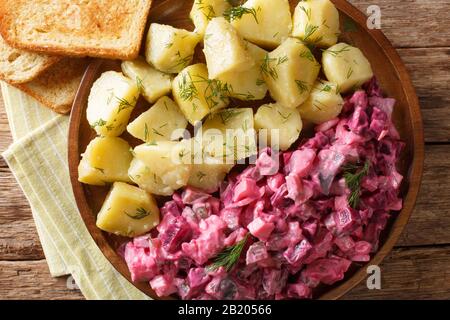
<point x="197" y="277"/>
<point x="275" y="182"/>
<point x="246" y="191"/>
<point x="326" y="270"/>
<point x="210" y="241"/>
<point x="256" y="252"/>
<point x="295" y="205"/>
<point x="294" y="255"/>
<point x="191" y="195"/>
<point x="299" y="190"/>
<point x="140" y="263"/>
<point x="173" y="231"/>
<point x="274" y="280"/>
<point x="231" y="217"/>
<point x="267" y="163"/>
<point x="163" y="285"/>
<point x="299" y="290"/>
<point x="301" y="162"/>
<point x="261" y="229"/>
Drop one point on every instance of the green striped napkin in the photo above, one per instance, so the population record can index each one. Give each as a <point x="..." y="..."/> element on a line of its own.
<point x="38" y="160"/>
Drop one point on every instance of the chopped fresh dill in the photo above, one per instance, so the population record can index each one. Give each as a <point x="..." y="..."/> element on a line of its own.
<point x="237" y="13"/>
<point x="157" y="132"/>
<point x="336" y="53"/>
<point x="349" y="73"/>
<point x="353" y="175"/>
<point x="302" y="86"/>
<point x="285" y="117"/>
<point x="307" y="54"/>
<point x="123" y="104"/>
<point x="140" y="214"/>
<point x="146" y="133"/>
<point x="229" y="256"/>
<point x="99" y="123"/>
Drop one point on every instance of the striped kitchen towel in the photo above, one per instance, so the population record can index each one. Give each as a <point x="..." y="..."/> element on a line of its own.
<point x="38" y="160"/>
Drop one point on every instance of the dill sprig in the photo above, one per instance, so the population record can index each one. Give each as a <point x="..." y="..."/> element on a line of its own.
<point x="228" y="114"/>
<point x="268" y="69"/>
<point x="336" y="53"/>
<point x="188" y="91"/>
<point x="353" y="175"/>
<point x="229" y="256"/>
<point x="99" y="123"/>
<point x="123" y="104"/>
<point x="236" y="13"/>
<point x="307" y="54"/>
<point x="285" y="117"/>
<point x="141" y="213"/>
<point x="309" y="31"/>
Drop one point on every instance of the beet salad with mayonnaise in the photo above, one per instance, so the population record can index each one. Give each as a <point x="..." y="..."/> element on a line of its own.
<point x="291" y="222"/>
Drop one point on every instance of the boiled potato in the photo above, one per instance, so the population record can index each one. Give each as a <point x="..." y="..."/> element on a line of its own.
<point x="229" y="136"/>
<point x="197" y="95"/>
<point x="204" y="10"/>
<point x="265" y="23"/>
<point x="290" y="72"/>
<point x="159" y="122"/>
<point x="324" y="103"/>
<point x="111" y="101"/>
<point x="316" y="22"/>
<point x="284" y="122"/>
<point x="151" y="83"/>
<point x="225" y="50"/>
<point x="165" y="160"/>
<point x="146" y="179"/>
<point x="346" y="66"/>
<point x="105" y="160"/>
<point x="169" y="49"/>
<point x="249" y="84"/>
<point x="128" y="211"/>
<point x="208" y="177"/>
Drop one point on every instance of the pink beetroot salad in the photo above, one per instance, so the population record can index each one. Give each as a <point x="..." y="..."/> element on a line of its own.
<point x="300" y="222"/>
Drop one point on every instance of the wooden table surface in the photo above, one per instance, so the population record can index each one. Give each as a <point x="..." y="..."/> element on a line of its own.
<point x="418" y="267"/>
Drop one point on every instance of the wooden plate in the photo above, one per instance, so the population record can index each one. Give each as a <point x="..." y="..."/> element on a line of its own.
<point x="394" y="81"/>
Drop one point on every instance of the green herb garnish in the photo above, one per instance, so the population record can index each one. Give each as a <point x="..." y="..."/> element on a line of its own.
<point x="141" y="213"/>
<point x="229" y="256"/>
<point x="236" y="13"/>
<point x="353" y="175"/>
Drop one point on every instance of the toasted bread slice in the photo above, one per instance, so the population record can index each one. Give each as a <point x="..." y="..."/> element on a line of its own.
<point x="56" y="88"/>
<point x="98" y="28"/>
<point x="19" y="66"/>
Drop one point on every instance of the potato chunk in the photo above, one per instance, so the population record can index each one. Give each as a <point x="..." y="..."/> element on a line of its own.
<point x="249" y="84"/>
<point x="151" y="83"/>
<point x="324" y="103"/>
<point x="105" y="160"/>
<point x="265" y="23"/>
<point x="165" y="160"/>
<point x="197" y="95"/>
<point x="208" y="177"/>
<point x="346" y="66"/>
<point x="283" y="124"/>
<point x="316" y="22"/>
<point x="128" y="211"/>
<point x="204" y="10"/>
<point x="290" y="72"/>
<point x="146" y="179"/>
<point x="111" y="101"/>
<point x="169" y="49"/>
<point x="225" y="50"/>
<point x="229" y="136"/>
<point x="159" y="122"/>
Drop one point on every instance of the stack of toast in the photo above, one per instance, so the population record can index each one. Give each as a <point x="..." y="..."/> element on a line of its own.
<point x="45" y="45"/>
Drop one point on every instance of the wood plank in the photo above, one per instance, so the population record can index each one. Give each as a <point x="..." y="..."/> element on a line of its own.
<point x="430" y="73"/>
<point x="430" y="221"/>
<point x="412" y="23"/>
<point x="31" y="280"/>
<point x="417" y="273"/>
